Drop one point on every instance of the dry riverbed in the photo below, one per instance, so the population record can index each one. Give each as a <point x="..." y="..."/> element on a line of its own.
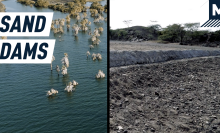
<point x="179" y="96"/>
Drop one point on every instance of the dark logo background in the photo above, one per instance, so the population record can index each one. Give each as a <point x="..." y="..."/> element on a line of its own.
<point x="211" y="2"/>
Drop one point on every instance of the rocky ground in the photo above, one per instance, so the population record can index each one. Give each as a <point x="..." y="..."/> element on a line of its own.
<point x="179" y="96"/>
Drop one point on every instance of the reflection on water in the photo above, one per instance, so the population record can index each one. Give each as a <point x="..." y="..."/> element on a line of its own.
<point x="76" y="38"/>
<point x="69" y="95"/>
<point x="65" y="79"/>
<point x="51" y="98"/>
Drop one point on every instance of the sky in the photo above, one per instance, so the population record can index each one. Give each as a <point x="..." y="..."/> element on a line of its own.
<point x="165" y="12"/>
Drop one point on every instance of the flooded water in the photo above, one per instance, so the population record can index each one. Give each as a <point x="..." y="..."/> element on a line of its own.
<point x="24" y="106"/>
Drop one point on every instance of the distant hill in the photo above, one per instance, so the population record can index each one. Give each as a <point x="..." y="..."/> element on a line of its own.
<point x="136" y="33"/>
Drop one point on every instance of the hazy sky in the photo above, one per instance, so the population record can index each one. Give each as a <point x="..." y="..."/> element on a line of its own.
<point x="166" y="12"/>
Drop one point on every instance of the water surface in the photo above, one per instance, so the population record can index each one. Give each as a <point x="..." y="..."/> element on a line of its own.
<point x="24" y="106"/>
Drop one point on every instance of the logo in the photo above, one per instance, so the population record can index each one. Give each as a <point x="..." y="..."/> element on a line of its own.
<point x="214" y="14"/>
<point x="26" y="51"/>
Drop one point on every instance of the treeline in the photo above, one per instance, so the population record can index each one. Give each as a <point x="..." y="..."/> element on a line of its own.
<point x="71" y="7"/>
<point x="186" y="34"/>
<point x="138" y="32"/>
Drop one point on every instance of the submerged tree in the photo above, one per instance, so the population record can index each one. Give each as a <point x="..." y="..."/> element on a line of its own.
<point x="57" y="23"/>
<point x="100" y="74"/>
<point x="58" y="70"/>
<point x="65" y="60"/>
<point x="68" y="18"/>
<point x="53" y="58"/>
<point x="100" y="29"/>
<point x="4" y="37"/>
<point x="74" y="83"/>
<point x="91" y="46"/>
<point x="87" y="53"/>
<point x="42" y="3"/>
<point x="77" y="18"/>
<point x="93" y="56"/>
<point x="76" y="29"/>
<point x="69" y="87"/>
<point x="51" y="92"/>
<point x="99" y="56"/>
<point x="64" y="70"/>
<point x="68" y="27"/>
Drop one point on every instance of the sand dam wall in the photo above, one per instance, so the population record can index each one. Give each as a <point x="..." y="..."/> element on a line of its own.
<point x="125" y="58"/>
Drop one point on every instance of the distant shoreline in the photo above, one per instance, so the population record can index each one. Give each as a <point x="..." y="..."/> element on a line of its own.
<point x="65" y="1"/>
<point x="2" y="6"/>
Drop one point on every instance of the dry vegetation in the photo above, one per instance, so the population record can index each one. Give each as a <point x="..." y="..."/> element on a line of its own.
<point x="72" y="7"/>
<point x="65" y="1"/>
<point x="2" y="7"/>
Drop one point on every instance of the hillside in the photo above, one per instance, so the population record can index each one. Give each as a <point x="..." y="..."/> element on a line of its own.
<point x="135" y="33"/>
